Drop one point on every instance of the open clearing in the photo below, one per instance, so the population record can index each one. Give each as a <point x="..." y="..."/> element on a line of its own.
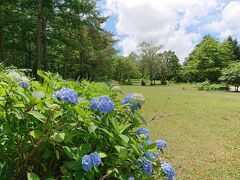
<point x="203" y="134"/>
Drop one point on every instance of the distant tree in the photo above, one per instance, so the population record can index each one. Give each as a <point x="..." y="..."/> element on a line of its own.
<point x="150" y="58"/>
<point x="169" y="67"/>
<point x="206" y="61"/>
<point x="231" y="75"/>
<point x="230" y="50"/>
<point x="125" y="68"/>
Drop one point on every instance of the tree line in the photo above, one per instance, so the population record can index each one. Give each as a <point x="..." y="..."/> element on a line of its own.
<point x="208" y="61"/>
<point x="67" y="37"/>
<point x="148" y="62"/>
<point x="60" y="36"/>
<point x="209" y="58"/>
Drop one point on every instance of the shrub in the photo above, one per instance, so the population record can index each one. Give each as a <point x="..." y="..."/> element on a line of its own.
<point x="64" y="130"/>
<point x="207" y="86"/>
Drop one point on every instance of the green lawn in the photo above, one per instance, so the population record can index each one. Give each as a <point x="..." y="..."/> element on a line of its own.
<point x="204" y="133"/>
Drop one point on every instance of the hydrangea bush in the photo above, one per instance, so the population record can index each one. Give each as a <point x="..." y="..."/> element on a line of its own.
<point x="67" y="130"/>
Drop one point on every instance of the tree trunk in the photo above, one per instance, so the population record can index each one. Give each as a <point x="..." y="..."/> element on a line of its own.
<point x="24" y="57"/>
<point x="29" y="55"/>
<point x="2" y="48"/>
<point x="44" y="43"/>
<point x="39" y="39"/>
<point x="65" y="71"/>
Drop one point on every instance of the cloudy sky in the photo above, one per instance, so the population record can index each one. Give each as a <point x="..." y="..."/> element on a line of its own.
<point x="177" y="24"/>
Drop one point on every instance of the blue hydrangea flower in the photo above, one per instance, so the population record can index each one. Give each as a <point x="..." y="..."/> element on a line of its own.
<point x="131" y="178"/>
<point x="168" y="170"/>
<point x="161" y="144"/>
<point x="136" y="107"/>
<point x="87" y="162"/>
<point x="67" y="95"/>
<point x="105" y="104"/>
<point x="145" y="166"/>
<point x="22" y="80"/>
<point x="126" y="99"/>
<point x="94" y="104"/>
<point x="96" y="160"/>
<point x="150" y="155"/>
<point x="90" y="161"/>
<point x="23" y="85"/>
<point x="135" y="100"/>
<point x="143" y="131"/>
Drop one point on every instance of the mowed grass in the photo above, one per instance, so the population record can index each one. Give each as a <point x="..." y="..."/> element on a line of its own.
<point x="202" y="129"/>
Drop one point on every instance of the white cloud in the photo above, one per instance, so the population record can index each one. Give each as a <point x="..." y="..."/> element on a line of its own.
<point x="167" y="22"/>
<point x="228" y="23"/>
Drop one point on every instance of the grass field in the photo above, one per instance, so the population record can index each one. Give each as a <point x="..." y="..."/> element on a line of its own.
<point x="203" y="134"/>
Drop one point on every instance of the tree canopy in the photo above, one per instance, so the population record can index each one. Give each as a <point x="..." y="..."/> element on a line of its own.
<point x="231" y="75"/>
<point x="208" y="58"/>
<point x="61" y="36"/>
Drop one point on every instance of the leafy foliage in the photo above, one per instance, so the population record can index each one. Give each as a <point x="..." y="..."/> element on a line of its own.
<point x="208" y="58"/>
<point x="45" y="132"/>
<point x="150" y="58"/>
<point x="207" y="86"/>
<point x="170" y="68"/>
<point x="231" y="75"/>
<point x="61" y="36"/>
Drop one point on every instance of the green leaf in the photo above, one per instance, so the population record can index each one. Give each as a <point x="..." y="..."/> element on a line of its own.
<point x="2" y="92"/>
<point x="83" y="149"/>
<point x="57" y="154"/>
<point x="57" y="114"/>
<point x="102" y="155"/>
<point x="92" y="127"/>
<point x="73" y="165"/>
<point x="26" y="99"/>
<point x="6" y="128"/>
<point x="123" y="128"/>
<point x="68" y="151"/>
<point x="107" y="132"/>
<point x="150" y="147"/>
<point x="58" y="137"/>
<point x="124" y="138"/>
<point x="35" y="133"/>
<point x="38" y="116"/>
<point x="122" y="150"/>
<point x="32" y="176"/>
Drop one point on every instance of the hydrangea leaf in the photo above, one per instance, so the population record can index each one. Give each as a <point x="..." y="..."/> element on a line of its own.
<point x="124" y="138"/>
<point x="73" y="165"/>
<point x="35" y="133"/>
<point x="38" y="115"/>
<point x="122" y="150"/>
<point x="102" y="155"/>
<point x="83" y="149"/>
<point x="58" y="137"/>
<point x="32" y="176"/>
<point x="92" y="127"/>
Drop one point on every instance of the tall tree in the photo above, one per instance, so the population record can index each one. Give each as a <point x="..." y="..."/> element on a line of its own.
<point x="206" y="61"/>
<point x="150" y="58"/>
<point x="231" y="49"/>
<point x="60" y="36"/>
<point x="169" y="68"/>
<point x="231" y="75"/>
<point x="39" y="37"/>
<point x="2" y="48"/>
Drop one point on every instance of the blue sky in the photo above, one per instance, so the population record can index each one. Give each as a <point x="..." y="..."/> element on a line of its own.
<point x="178" y="25"/>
